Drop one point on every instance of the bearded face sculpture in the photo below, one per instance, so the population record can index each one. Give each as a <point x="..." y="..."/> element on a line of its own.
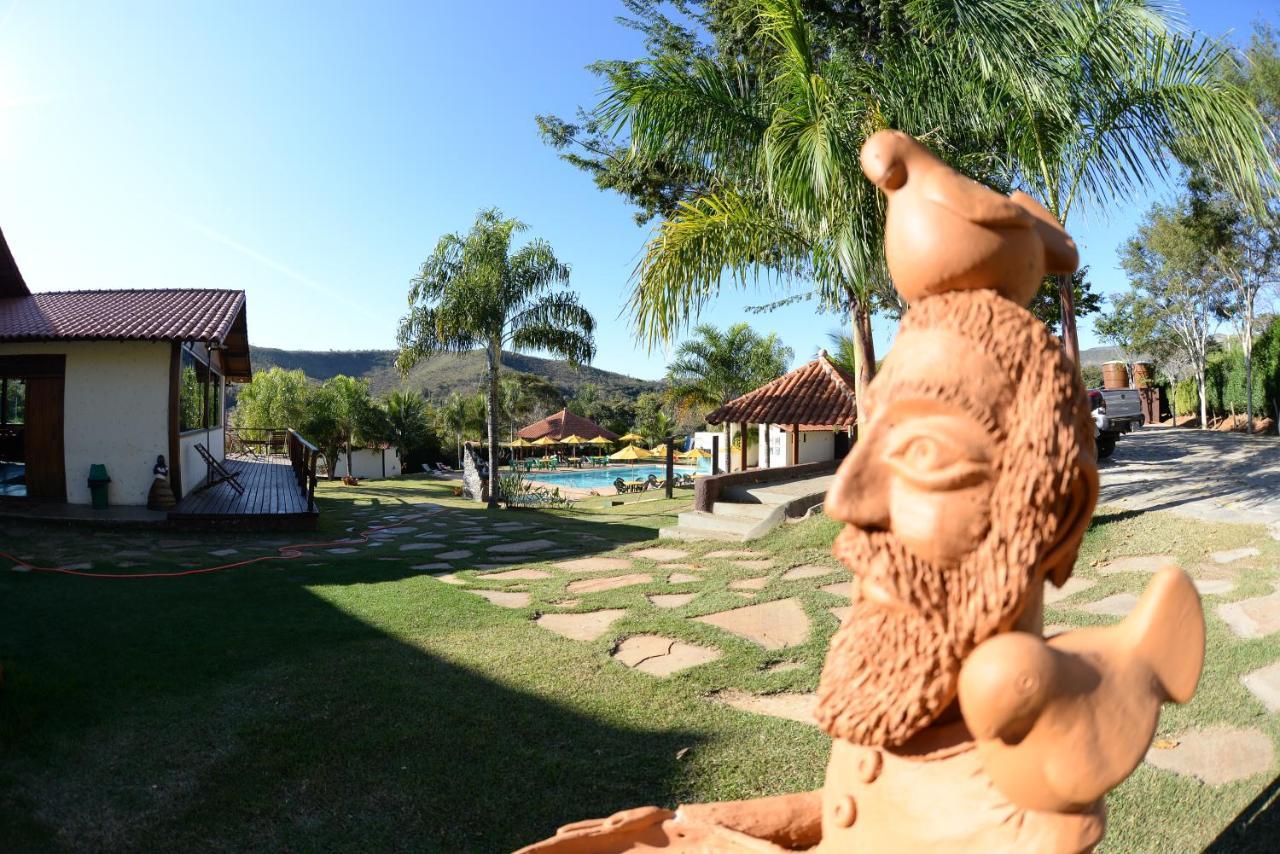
<point x="972" y="478"/>
<point x="955" y="724"/>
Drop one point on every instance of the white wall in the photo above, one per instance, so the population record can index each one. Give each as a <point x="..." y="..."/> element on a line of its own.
<point x="115" y="412"/>
<point x="815" y="446"/>
<point x="367" y="463"/>
<point x="194" y="471"/>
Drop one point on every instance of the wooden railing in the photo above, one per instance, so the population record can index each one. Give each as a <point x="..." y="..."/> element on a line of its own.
<point x="302" y="456"/>
<point x="257" y="441"/>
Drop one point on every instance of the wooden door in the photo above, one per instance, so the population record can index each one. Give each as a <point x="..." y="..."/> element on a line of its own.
<point x="46" y="468"/>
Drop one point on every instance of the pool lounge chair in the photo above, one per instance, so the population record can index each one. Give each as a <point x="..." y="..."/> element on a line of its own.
<point x="625" y="487"/>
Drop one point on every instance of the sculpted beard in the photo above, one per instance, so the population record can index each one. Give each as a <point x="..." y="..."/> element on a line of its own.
<point x="893" y="668"/>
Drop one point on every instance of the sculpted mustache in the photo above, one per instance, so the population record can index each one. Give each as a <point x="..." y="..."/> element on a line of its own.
<point x="879" y="558"/>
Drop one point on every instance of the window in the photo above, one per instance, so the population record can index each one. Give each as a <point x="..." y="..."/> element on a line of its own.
<point x="200" y="392"/>
<point x="13" y="401"/>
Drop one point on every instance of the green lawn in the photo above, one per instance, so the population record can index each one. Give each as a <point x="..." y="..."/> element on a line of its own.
<point x="340" y="701"/>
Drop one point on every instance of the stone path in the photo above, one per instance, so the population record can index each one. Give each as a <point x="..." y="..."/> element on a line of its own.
<point x="659" y="656"/>
<point x="773" y="625"/>
<point x="1253" y="618"/>
<point x="1216" y="755"/>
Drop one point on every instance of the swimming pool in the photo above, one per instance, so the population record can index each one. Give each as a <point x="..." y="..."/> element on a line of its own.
<point x="602" y="478"/>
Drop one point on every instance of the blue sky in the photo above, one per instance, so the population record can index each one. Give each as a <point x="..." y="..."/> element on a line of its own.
<point x="312" y="154"/>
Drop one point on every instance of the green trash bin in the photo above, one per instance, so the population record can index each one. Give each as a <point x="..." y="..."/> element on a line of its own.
<point x="98" y="481"/>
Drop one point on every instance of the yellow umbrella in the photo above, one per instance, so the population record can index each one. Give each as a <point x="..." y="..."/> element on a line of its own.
<point x="543" y="442"/>
<point x="518" y="442"/>
<point x="659" y="450"/>
<point x="573" y="440"/>
<point x="631" y="437"/>
<point x="696" y="454"/>
<point x="630" y="452"/>
<point x="600" y="440"/>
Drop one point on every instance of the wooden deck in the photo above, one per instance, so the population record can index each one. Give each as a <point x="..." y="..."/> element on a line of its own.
<point x="271" y="499"/>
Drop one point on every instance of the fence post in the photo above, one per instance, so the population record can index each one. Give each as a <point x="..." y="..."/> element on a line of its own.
<point x="715" y="454"/>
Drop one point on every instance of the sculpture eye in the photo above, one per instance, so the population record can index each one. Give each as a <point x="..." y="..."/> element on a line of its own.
<point x="933" y="462"/>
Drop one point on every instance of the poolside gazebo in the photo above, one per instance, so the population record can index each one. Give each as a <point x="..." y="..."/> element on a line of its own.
<point x="804" y="416"/>
<point x="562" y="425"/>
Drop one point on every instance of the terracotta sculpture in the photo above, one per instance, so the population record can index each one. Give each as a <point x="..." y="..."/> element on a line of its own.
<point x="956" y="725"/>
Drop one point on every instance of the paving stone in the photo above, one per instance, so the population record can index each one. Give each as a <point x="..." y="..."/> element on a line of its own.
<point x="749" y="583"/>
<point x="1138" y="563"/>
<point x="1233" y="555"/>
<point x="809" y="570"/>
<point x="427" y="535"/>
<point x="745" y="554"/>
<point x="403" y="529"/>
<point x="567" y="603"/>
<point x="1214" y="586"/>
<point x="1216" y="755"/>
<point x="518" y="575"/>
<point x="612" y="582"/>
<point x="505" y="598"/>
<point x="456" y="554"/>
<point x="594" y="564"/>
<point x="1264" y="683"/>
<point x="1115" y="605"/>
<point x="681" y="578"/>
<point x="671" y="600"/>
<point x="841" y="613"/>
<point x="224" y="552"/>
<point x="1253" y="618"/>
<point x="840" y="588"/>
<point x="523" y="546"/>
<point x="659" y="656"/>
<point x="692" y="567"/>
<point x="342" y="551"/>
<point x="661" y="554"/>
<point x="752" y="564"/>
<point x="1073" y="585"/>
<point x="582" y="627"/>
<point x="792" y="707"/>
<point x="512" y="558"/>
<point x="428" y="567"/>
<point x="418" y="547"/>
<point x="773" y="625"/>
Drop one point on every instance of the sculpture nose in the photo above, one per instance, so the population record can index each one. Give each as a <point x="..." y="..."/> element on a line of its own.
<point x="858" y="495"/>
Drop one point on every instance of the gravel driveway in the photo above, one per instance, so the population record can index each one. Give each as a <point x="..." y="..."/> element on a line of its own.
<point x="1219" y="477"/>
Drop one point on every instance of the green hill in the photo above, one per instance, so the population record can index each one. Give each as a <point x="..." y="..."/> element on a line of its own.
<point x="438" y="376"/>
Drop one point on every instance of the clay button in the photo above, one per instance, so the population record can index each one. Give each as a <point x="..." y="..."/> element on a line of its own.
<point x="844" y="811"/>
<point x="869" y="765"/>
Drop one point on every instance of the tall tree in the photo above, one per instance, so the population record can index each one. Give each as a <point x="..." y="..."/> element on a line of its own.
<point x="351" y="404"/>
<point x="714" y="367"/>
<point x="1173" y="286"/>
<point x="459" y="416"/>
<point x="408" y="422"/>
<point x="1116" y="99"/>
<point x="275" y="398"/>
<point x="475" y="291"/>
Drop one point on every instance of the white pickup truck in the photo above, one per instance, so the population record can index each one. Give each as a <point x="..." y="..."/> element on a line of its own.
<point x="1115" y="411"/>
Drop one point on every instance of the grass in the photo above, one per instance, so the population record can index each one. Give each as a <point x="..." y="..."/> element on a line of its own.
<point x="349" y="701"/>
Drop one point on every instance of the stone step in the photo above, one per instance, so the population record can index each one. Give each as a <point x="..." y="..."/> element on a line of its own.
<point x="698" y="521"/>
<point x="690" y="535"/>
<point x="750" y="511"/>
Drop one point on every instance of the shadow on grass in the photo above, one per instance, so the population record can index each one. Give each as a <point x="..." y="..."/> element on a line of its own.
<point x="1256" y="828"/>
<point x="242" y="710"/>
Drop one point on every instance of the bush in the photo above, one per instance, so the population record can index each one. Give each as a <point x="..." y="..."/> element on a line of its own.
<point x="1092" y="375"/>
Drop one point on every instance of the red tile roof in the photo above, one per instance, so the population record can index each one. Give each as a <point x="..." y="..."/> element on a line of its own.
<point x="563" y="424"/>
<point x="817" y="394"/>
<point x="133" y="315"/>
<point x="173" y="314"/>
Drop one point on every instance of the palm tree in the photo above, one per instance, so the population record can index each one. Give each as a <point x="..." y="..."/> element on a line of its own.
<point x="351" y="403"/>
<point x="714" y="367"/>
<point x="515" y="402"/>
<point x="475" y="292"/>
<point x="459" y="416"/>
<point x="1116" y="97"/>
<point x="779" y="141"/>
<point x="407" y="422"/>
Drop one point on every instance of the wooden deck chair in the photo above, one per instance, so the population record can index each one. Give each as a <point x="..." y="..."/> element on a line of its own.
<point x="217" y="471"/>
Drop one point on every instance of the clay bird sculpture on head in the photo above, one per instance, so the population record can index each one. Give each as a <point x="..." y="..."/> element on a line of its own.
<point x="945" y="232"/>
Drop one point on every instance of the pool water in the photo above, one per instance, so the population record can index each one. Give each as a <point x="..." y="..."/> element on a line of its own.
<point x="601" y="478"/>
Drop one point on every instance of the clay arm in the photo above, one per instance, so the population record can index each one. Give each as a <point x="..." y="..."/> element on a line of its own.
<point x="1059" y="724"/>
<point x="791" y="821"/>
<point x="785" y="821"/>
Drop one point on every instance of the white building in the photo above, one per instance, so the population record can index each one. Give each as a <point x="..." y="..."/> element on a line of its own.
<point x="805" y="416"/>
<point x="112" y="377"/>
